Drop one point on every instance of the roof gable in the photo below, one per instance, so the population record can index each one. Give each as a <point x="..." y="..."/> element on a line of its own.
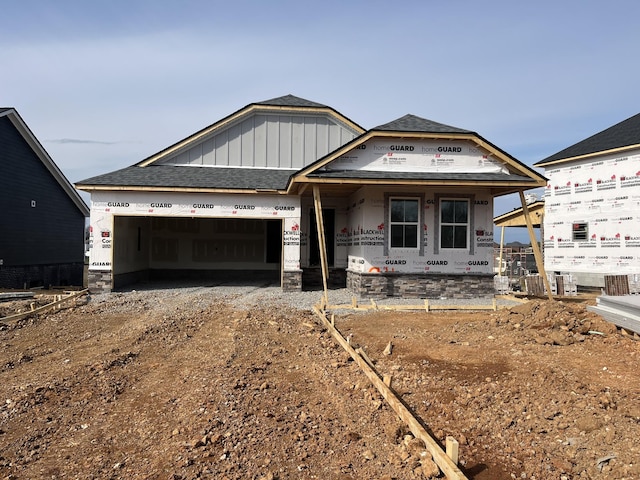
<point x="621" y="136"/>
<point x="44" y="157"/>
<point x="412" y="150"/>
<point x="284" y="132"/>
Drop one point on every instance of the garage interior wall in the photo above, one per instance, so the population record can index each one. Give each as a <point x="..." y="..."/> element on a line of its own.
<point x="149" y="245"/>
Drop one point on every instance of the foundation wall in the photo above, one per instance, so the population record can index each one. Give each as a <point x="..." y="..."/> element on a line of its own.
<point x="432" y="286"/>
<point x="30" y="276"/>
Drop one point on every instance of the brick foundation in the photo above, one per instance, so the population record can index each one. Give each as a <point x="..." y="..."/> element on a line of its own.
<point x="431" y="286"/>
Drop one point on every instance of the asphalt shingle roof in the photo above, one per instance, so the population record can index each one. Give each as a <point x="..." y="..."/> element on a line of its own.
<point x="194" y="177"/>
<point x="623" y="134"/>
<point x="412" y="123"/>
<point x="291" y="101"/>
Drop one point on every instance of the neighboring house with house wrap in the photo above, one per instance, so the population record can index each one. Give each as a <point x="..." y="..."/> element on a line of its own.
<point x="592" y="206"/>
<point x="406" y="207"/>
<point x="42" y="217"/>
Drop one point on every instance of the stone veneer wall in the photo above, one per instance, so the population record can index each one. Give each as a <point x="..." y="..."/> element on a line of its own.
<point x="292" y="281"/>
<point x="381" y="285"/>
<point x="100" y="281"/>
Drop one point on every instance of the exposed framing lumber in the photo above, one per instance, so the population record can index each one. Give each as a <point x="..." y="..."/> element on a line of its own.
<point x="49" y="306"/>
<point x="534" y="246"/>
<point x="501" y="249"/>
<point x="444" y="462"/>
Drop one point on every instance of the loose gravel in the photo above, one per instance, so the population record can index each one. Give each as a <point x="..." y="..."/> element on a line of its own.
<point x="250" y="296"/>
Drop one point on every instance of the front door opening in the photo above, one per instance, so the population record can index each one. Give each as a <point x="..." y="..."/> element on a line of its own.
<point x="274" y="241"/>
<point x="328" y="216"/>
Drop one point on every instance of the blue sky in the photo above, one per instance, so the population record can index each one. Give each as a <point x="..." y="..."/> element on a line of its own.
<point x="105" y="84"/>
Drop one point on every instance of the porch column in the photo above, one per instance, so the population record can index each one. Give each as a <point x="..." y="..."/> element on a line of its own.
<point x="291" y="273"/>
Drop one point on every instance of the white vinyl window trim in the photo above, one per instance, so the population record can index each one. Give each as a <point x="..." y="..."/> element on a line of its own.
<point x="404" y="223"/>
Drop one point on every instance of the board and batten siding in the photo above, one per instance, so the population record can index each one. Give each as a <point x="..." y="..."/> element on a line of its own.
<point x="39" y="223"/>
<point x="268" y="141"/>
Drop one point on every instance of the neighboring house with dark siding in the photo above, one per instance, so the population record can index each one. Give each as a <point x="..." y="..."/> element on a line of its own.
<point x="42" y="216"/>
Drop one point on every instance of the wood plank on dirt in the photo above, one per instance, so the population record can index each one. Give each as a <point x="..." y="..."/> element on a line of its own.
<point x="444" y="462"/>
<point x="60" y="300"/>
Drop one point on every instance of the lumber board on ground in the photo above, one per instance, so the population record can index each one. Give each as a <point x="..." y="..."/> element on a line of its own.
<point x="446" y="464"/>
<point x="427" y="307"/>
<point x="49" y="306"/>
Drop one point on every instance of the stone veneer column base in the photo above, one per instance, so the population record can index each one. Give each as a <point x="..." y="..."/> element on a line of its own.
<point x="100" y="281"/>
<point x="381" y="285"/>
<point x="292" y="281"/>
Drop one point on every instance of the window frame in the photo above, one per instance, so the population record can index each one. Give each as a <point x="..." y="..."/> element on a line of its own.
<point x="583" y="231"/>
<point x="454" y="224"/>
<point x="417" y="223"/>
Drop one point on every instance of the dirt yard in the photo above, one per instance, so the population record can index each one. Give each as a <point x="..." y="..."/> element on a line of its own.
<point x="186" y="384"/>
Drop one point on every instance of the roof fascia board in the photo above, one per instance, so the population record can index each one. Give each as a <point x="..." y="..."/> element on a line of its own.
<point x="121" y="188"/>
<point x="236" y="117"/>
<point x="46" y="160"/>
<point x="444" y="183"/>
<point x="588" y="155"/>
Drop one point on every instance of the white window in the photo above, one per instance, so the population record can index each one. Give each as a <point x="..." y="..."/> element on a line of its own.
<point x="454" y="224"/>
<point x="404" y="222"/>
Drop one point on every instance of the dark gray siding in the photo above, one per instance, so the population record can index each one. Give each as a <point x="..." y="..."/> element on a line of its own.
<point x="52" y="231"/>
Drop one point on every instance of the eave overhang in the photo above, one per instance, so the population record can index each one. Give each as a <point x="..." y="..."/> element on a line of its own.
<point x="165" y="189"/>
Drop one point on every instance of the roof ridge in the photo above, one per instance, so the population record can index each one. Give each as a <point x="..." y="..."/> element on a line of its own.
<point x="290" y="101"/>
<point x="414" y="123"/>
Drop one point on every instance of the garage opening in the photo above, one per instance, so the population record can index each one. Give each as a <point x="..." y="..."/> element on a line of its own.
<point x="199" y="250"/>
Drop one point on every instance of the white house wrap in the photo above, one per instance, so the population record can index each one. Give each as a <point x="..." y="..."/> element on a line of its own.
<point x="406" y="207"/>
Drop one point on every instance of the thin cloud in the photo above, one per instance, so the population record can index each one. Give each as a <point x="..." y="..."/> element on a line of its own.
<point x="64" y="141"/>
